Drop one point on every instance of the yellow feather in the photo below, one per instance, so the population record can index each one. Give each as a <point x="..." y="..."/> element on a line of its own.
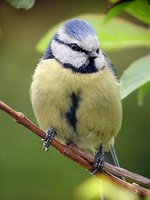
<point x="99" y="113"/>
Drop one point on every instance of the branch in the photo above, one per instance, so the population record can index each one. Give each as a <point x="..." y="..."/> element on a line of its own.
<point x="83" y="159"/>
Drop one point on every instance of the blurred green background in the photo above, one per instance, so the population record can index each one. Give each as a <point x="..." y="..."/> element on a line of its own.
<point x="27" y="172"/>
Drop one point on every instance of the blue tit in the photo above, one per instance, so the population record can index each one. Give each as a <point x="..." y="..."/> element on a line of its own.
<point x="75" y="92"/>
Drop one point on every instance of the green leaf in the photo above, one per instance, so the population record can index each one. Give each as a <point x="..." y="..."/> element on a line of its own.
<point x="96" y="187"/>
<point x="113" y="35"/>
<point x="142" y="91"/>
<point x="137" y="8"/>
<point x="26" y="4"/>
<point x="116" y="10"/>
<point x="88" y="189"/>
<point x="137" y="74"/>
<point x="140" y="10"/>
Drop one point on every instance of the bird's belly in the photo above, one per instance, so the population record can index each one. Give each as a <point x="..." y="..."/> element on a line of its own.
<point x="98" y="122"/>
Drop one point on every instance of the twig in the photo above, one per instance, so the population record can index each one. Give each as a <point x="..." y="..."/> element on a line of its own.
<point x="85" y="161"/>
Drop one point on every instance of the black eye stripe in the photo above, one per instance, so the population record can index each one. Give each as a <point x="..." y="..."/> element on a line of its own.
<point x="79" y="49"/>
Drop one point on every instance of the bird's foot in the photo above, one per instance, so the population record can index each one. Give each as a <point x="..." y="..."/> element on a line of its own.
<point x="50" y="134"/>
<point x="98" y="163"/>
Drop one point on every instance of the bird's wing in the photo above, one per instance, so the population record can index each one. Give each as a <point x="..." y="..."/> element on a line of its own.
<point x="111" y="67"/>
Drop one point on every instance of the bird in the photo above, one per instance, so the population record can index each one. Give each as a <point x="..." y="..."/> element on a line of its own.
<point x="75" y="93"/>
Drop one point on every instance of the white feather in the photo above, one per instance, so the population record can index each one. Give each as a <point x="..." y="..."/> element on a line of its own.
<point x="90" y="43"/>
<point x="100" y="61"/>
<point x="65" y="54"/>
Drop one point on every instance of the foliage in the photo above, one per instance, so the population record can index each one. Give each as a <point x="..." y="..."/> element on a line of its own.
<point x="143" y="90"/>
<point x="25" y="4"/>
<point x="137" y="8"/>
<point x="137" y="74"/>
<point x="140" y="10"/>
<point x="90" y="190"/>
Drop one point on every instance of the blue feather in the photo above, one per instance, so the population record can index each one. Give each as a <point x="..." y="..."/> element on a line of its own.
<point x="79" y="29"/>
<point x="48" y="52"/>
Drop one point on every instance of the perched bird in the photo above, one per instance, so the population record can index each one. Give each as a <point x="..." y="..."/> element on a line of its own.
<point x="75" y="93"/>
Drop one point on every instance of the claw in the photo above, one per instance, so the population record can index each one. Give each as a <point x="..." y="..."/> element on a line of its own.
<point x="50" y="134"/>
<point x="98" y="163"/>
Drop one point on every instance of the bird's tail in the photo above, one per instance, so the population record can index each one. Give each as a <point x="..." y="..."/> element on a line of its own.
<point x="111" y="157"/>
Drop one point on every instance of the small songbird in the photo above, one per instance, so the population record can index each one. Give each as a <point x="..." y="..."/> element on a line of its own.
<point x="75" y="93"/>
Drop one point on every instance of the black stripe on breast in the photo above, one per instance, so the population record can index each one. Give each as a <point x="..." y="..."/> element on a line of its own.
<point x="71" y="114"/>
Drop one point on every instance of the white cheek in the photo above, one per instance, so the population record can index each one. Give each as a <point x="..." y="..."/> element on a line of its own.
<point x="100" y="61"/>
<point x="66" y="55"/>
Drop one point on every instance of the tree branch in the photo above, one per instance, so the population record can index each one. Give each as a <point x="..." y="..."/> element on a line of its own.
<point x="83" y="159"/>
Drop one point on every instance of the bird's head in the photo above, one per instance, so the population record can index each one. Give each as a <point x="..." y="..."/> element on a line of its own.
<point x="76" y="46"/>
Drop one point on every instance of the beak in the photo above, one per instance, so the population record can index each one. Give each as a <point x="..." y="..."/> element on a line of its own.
<point x="92" y="54"/>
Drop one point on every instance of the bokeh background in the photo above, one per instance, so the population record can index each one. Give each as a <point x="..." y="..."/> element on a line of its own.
<point x="27" y="172"/>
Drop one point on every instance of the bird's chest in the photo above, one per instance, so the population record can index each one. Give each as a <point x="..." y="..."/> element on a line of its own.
<point x="92" y="103"/>
<point x="78" y="105"/>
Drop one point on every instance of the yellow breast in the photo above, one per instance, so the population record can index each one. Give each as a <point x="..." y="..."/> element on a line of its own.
<point x="99" y="112"/>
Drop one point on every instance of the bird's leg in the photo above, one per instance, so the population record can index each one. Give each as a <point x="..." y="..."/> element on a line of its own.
<point x="98" y="161"/>
<point x="50" y="134"/>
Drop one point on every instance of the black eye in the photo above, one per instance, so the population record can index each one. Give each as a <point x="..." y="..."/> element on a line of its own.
<point x="97" y="51"/>
<point x="75" y="47"/>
